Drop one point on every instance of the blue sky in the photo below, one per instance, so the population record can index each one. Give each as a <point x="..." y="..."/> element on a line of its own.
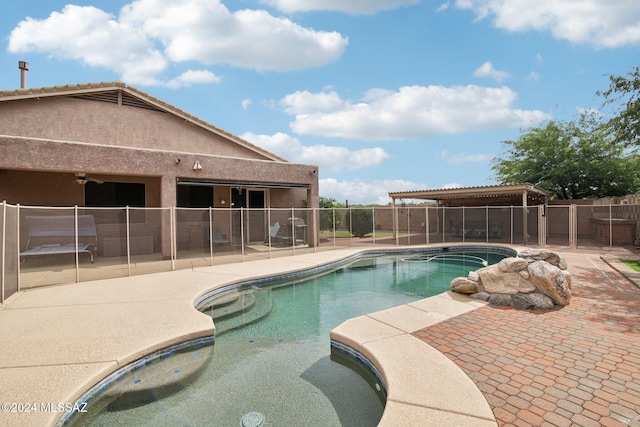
<point x="382" y="95"/>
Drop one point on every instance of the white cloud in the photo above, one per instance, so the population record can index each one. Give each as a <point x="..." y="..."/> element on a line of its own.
<point x="444" y="6"/>
<point x="451" y="185"/>
<point x="246" y="103"/>
<point x="539" y="59"/>
<point x="533" y="76"/>
<point x="601" y="23"/>
<point x="411" y="112"/>
<point x="332" y="158"/>
<point x="304" y="102"/>
<point x="149" y="35"/>
<point x="193" y="77"/>
<point x="487" y="70"/>
<point x="358" y="191"/>
<point x="93" y="37"/>
<point x="354" y="7"/>
<point x="460" y="158"/>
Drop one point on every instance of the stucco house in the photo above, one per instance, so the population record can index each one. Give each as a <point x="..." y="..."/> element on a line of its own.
<point x="109" y="144"/>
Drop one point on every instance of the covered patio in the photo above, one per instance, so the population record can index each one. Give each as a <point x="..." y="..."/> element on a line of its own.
<point x="523" y="195"/>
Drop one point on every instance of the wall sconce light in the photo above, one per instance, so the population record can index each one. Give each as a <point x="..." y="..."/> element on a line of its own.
<point x="223" y="202"/>
<point x="197" y="166"/>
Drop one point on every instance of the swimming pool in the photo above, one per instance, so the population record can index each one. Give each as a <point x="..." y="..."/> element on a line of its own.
<point x="271" y="352"/>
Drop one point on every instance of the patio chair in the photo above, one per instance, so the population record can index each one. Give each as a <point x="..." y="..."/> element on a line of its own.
<point x="218" y="238"/>
<point x="277" y="236"/>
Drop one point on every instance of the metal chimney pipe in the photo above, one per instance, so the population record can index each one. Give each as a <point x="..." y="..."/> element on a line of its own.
<point x="24" y="67"/>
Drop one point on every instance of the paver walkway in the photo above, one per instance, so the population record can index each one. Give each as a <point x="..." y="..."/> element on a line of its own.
<point x="578" y="365"/>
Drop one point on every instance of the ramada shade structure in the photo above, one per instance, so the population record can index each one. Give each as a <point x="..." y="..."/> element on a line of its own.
<point x="494" y="195"/>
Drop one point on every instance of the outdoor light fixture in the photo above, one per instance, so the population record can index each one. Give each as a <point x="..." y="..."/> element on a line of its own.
<point x="223" y="202"/>
<point x="197" y="166"/>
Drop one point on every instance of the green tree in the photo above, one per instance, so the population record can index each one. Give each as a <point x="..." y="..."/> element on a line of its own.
<point x="360" y="221"/>
<point x="329" y="214"/>
<point x="624" y="92"/>
<point x="572" y="160"/>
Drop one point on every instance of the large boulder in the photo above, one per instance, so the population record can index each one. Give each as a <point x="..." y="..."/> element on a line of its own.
<point x="500" y="299"/>
<point x="540" y="300"/>
<point x="512" y="265"/>
<point x="533" y="301"/>
<point x="462" y="285"/>
<point x="532" y="255"/>
<point x="551" y="281"/>
<point x="497" y="282"/>
<point x="536" y="279"/>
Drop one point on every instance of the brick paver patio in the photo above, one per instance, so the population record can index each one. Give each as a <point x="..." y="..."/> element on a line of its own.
<point x="578" y="365"/>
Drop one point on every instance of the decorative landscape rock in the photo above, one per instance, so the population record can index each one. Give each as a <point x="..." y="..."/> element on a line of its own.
<point x="535" y="279"/>
<point x="550" y="281"/>
<point x="512" y="265"/>
<point x="543" y="255"/>
<point x="462" y="285"/>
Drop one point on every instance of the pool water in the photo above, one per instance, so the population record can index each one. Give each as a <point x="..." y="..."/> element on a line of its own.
<point x="272" y="350"/>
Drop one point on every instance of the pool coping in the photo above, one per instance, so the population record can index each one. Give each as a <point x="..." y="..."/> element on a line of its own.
<point x="62" y="340"/>
<point x="423" y="386"/>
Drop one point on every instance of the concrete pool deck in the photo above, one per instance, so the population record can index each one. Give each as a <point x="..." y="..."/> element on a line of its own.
<point x="58" y="341"/>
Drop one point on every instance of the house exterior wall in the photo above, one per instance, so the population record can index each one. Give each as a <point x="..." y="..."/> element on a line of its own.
<point x="61" y="189"/>
<point x="95" y="122"/>
<point x="47" y="135"/>
<point x="107" y="162"/>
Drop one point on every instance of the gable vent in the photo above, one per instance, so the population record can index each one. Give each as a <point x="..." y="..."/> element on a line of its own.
<point x="112" y="97"/>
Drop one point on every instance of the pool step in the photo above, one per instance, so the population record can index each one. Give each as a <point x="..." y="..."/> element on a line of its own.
<point x="232" y="307"/>
<point x="225" y="298"/>
<point x="249" y="307"/>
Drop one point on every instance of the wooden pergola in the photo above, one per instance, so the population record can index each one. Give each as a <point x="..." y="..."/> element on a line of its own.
<point x="495" y="195"/>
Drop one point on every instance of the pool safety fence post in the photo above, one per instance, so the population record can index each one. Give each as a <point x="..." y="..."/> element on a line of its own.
<point x="525" y="226"/>
<point x="350" y="227"/>
<point x="444" y="223"/>
<point x="3" y="222"/>
<point x="426" y="224"/>
<point x="486" y="224"/>
<point x="610" y="228"/>
<point x="210" y="236"/>
<point x="464" y="226"/>
<point x="77" y="243"/>
<point x="18" y="246"/>
<point x="293" y="230"/>
<point x="409" y="226"/>
<point x="573" y="220"/>
<point x="128" y="234"/>
<point x="269" y="228"/>
<point x="315" y="218"/>
<point x="542" y="226"/>
<point x="334" y="226"/>
<point x="373" y="216"/>
<point x="242" y="232"/>
<point x="394" y="220"/>
<point x="172" y="236"/>
<point x="511" y="227"/>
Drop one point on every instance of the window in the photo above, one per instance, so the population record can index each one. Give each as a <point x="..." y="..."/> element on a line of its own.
<point x="195" y="196"/>
<point x="114" y="194"/>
